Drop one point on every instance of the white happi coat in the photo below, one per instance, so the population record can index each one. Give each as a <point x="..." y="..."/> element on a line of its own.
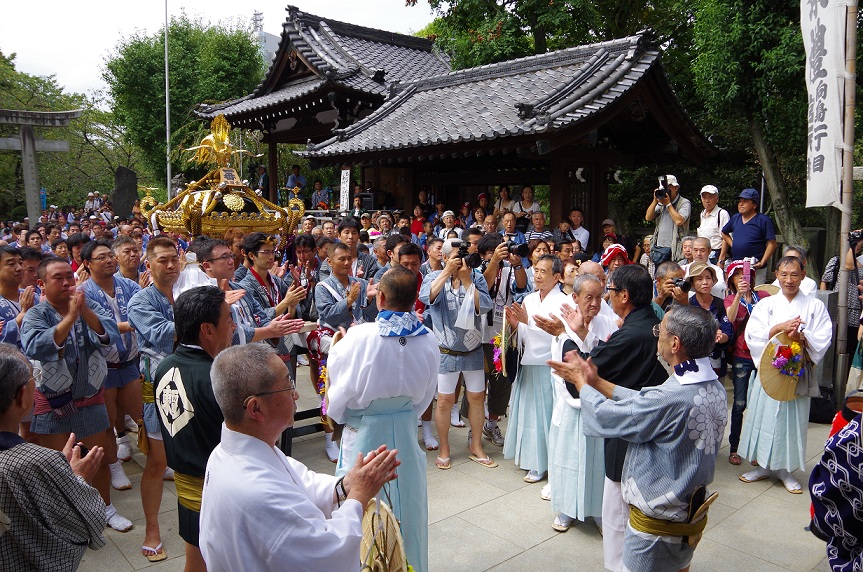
<point x="262" y="510"/>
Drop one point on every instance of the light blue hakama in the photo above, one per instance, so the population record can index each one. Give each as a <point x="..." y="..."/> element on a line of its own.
<point x="393" y="422"/>
<point x="576" y="468"/>
<point x="531" y="404"/>
<point x="774" y="432"/>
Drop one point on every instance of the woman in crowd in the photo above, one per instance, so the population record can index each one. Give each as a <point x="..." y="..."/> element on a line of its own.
<point x="703" y="277"/>
<point x="607" y="241"/>
<point x="504" y="203"/>
<point x="738" y="305"/>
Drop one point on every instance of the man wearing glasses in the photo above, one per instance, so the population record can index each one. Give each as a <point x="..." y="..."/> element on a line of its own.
<point x="122" y="384"/>
<point x="189" y="417"/>
<point x="261" y="510"/>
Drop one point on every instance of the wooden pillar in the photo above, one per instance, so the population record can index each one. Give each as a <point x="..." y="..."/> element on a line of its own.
<point x="599" y="188"/>
<point x="559" y="193"/>
<point x="272" y="166"/>
<point x="30" y="172"/>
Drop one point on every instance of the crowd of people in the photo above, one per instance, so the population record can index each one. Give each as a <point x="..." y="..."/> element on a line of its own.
<point x="111" y="328"/>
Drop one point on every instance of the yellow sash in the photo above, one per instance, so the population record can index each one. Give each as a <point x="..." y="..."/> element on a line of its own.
<point x="189" y="490"/>
<point x="658" y="527"/>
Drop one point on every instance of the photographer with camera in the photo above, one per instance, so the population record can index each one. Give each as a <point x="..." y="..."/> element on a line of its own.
<point x="670" y="286"/>
<point x="671" y="213"/>
<point x="457" y="299"/>
<point x="503" y="272"/>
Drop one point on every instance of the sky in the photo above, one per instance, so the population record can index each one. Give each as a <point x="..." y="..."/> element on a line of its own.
<point x="71" y="40"/>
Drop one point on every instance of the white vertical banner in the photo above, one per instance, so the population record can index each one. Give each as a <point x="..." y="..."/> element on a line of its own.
<point x="344" y="190"/>
<point x="823" y="26"/>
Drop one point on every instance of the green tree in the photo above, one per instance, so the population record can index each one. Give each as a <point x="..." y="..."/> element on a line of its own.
<point x="97" y="143"/>
<point x="749" y="72"/>
<point x="207" y="63"/>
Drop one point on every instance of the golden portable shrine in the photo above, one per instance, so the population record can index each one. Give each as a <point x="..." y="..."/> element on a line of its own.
<point x="220" y="200"/>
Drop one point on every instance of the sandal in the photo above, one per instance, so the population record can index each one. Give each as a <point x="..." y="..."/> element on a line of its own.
<point x="484" y="461"/>
<point x="442" y="464"/>
<point x="158" y="553"/>
<point x="734" y="458"/>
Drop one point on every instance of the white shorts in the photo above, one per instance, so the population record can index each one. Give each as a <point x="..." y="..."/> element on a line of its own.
<point x="474" y="381"/>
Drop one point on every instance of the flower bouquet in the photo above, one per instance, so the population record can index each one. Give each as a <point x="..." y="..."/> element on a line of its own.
<point x="783" y="366"/>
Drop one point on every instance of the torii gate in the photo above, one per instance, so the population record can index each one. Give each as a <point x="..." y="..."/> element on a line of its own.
<point x="29" y="146"/>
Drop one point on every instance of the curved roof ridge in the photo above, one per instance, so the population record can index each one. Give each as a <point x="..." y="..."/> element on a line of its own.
<point x="633" y="44"/>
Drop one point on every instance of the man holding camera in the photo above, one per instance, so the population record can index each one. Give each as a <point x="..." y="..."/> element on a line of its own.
<point x="671" y="213"/>
<point x="452" y="301"/>
<point x="505" y="275"/>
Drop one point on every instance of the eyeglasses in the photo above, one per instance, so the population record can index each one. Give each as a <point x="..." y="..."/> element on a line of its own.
<point x="104" y="257"/>
<point x="37" y="376"/>
<point x="291" y="387"/>
<point x="226" y="256"/>
<point x="656" y="330"/>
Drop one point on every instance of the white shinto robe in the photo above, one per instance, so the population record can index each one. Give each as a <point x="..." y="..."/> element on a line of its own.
<point x="262" y="510"/>
<point x="774" y="432"/>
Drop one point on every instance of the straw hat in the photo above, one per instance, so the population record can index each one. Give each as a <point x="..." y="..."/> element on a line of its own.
<point x="777" y="385"/>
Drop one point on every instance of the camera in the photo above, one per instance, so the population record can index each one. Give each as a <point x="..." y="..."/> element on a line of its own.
<point x="473" y="260"/>
<point x="662" y="191"/>
<point x="682" y="283"/>
<point x="854" y="238"/>
<point x="519" y="250"/>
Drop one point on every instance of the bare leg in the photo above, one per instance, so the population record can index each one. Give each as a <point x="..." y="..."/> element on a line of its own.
<point x="151" y="491"/>
<point x="476" y="417"/>
<point x="442" y="419"/>
<point x="194" y="559"/>
<point x="110" y="441"/>
<point x="427" y="415"/>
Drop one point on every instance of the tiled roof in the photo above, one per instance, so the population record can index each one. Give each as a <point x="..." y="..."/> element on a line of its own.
<point x="248" y="103"/>
<point x="532" y="95"/>
<point x="355" y="57"/>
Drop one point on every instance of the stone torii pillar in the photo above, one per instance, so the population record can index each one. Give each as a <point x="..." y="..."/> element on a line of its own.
<point x="29" y="146"/>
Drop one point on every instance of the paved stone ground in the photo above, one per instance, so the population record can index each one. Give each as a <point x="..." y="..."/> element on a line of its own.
<point x="490" y="519"/>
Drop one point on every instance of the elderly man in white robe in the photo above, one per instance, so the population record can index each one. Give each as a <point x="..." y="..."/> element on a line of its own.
<point x="774" y="432"/>
<point x="262" y="510"/>
<point x="576" y="466"/>
<point x="381" y="409"/>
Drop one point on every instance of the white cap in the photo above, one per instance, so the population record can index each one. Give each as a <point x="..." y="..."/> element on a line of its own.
<point x="448" y="213"/>
<point x="709" y="189"/>
<point x="90" y="194"/>
<point x="671" y="180"/>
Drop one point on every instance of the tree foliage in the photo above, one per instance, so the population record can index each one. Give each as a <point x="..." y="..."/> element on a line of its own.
<point x="97" y="142"/>
<point x="207" y="63"/>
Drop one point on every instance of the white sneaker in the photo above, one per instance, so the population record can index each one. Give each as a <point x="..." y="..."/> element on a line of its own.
<point x="116" y="521"/>
<point x="302" y="360"/>
<point x="124" y="448"/>
<point x="332" y="449"/>
<point x="545" y="493"/>
<point x="131" y="425"/>
<point x="119" y="480"/>
<point x="169" y="474"/>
